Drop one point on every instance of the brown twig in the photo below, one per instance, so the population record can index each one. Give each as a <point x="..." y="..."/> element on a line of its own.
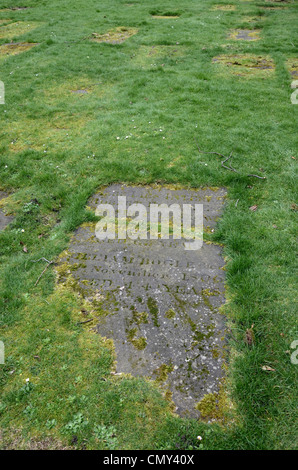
<point x="257" y="176"/>
<point x="226" y="159"/>
<point x="86" y="321"/>
<point x="47" y="261"/>
<point x="51" y="262"/>
<point x="228" y="167"/>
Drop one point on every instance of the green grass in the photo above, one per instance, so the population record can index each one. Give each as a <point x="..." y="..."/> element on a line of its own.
<point x="58" y="147"/>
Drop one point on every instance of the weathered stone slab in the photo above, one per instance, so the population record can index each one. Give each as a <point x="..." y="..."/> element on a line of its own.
<point x="4" y="219"/>
<point x="292" y="66"/>
<point x="159" y="302"/>
<point x="224" y="7"/>
<point x="246" y="65"/>
<point x="245" y="34"/>
<point x="14" y="48"/>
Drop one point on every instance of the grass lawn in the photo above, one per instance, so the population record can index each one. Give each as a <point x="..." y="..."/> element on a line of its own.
<point x="105" y="91"/>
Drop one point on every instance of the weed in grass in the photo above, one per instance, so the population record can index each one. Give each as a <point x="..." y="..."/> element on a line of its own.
<point x="106" y="434"/>
<point x="77" y="424"/>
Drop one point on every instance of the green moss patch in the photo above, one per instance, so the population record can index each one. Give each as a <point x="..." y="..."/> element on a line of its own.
<point x="115" y="36"/>
<point x="165" y="17"/>
<point x="42" y="134"/>
<point x="213" y="406"/>
<point x="162" y="372"/>
<point x="224" y="7"/>
<point x="159" y="55"/>
<point x="246" y="65"/>
<point x="273" y="7"/>
<point x="252" y="19"/>
<point x="165" y="14"/>
<point x="20" y="28"/>
<point x="4" y="21"/>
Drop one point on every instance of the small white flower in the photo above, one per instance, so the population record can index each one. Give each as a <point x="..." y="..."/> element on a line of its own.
<point x="199" y="438"/>
<point x="27" y="380"/>
<point x="118" y="138"/>
<point x="23" y="232"/>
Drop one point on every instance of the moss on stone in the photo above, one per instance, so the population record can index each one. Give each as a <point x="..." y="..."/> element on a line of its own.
<point x="162" y="372"/>
<point x="213" y="406"/>
<point x="139" y="343"/>
<point x="170" y="313"/>
<point x="153" y="309"/>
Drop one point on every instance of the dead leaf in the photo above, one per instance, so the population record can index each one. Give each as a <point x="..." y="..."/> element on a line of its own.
<point x="268" y="369"/>
<point x="249" y="336"/>
<point x="294" y="207"/>
<point x="253" y="208"/>
<point x="25" y="249"/>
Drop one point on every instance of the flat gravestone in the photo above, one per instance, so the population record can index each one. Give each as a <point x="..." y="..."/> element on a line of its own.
<point x="158" y="302"/>
<point x="245" y="34"/>
<point x="4" y="219"/>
